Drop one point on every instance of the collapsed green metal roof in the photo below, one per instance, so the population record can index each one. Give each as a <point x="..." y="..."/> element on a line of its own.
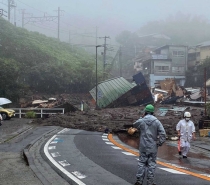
<point x="110" y="90"/>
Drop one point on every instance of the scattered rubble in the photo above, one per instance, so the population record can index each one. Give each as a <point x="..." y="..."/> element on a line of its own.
<point x="119" y="108"/>
<point x="117" y="119"/>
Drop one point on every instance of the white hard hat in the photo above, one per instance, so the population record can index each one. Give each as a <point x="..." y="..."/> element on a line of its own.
<point x="187" y="115"/>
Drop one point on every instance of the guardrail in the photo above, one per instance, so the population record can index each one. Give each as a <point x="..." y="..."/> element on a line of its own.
<point x="38" y="111"/>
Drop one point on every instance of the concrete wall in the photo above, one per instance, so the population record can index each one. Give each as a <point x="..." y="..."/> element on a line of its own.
<point x="204" y="52"/>
<point x="178" y="61"/>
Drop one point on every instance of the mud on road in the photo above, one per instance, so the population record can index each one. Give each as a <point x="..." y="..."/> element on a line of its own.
<point x="113" y="119"/>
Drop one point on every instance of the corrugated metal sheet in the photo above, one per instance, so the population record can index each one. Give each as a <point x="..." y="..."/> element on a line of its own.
<point x="162" y="111"/>
<point x="111" y="90"/>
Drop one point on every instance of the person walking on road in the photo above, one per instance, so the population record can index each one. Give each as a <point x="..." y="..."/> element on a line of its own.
<point x="186" y="132"/>
<point x="152" y="135"/>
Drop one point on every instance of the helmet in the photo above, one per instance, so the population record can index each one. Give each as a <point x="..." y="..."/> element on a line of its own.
<point x="187" y="115"/>
<point x="149" y="108"/>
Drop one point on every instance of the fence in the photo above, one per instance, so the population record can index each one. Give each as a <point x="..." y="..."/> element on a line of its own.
<point x="39" y="111"/>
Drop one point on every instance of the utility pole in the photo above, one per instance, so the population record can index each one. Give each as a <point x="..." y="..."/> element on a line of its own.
<point x="104" y="56"/>
<point x="96" y="35"/>
<point x="9" y="6"/>
<point x="23" y="17"/>
<point x="120" y="61"/>
<point x="15" y="15"/>
<point x="97" y="75"/>
<point x="59" y="23"/>
<point x="69" y="37"/>
<point x="205" y="90"/>
<point x="59" y="17"/>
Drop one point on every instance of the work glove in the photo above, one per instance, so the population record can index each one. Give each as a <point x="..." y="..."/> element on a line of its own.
<point x="159" y="144"/>
<point x="131" y="130"/>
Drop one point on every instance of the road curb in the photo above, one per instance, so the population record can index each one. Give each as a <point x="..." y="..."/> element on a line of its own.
<point x="30" y="161"/>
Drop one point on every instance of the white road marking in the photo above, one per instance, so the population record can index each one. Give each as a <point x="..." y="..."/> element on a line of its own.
<point x="79" y="175"/>
<point x="206" y="175"/>
<point x="64" y="163"/>
<point x="166" y="169"/>
<point x="54" y="142"/>
<point x="64" y="130"/>
<point x="51" y="147"/>
<point x="116" y="147"/>
<point x="177" y="166"/>
<point x="172" y="171"/>
<point x="109" y="143"/>
<point x="128" y="153"/>
<point x="56" y="154"/>
<point x="105" y="139"/>
<point x="76" y="180"/>
<point x="105" y="134"/>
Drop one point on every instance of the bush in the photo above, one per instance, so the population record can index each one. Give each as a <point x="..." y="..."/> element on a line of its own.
<point x="30" y="114"/>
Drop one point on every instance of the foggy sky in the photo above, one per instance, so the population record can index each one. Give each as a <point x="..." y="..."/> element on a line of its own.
<point x="110" y="16"/>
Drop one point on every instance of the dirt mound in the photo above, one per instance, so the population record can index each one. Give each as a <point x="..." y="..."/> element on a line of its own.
<point x="112" y="119"/>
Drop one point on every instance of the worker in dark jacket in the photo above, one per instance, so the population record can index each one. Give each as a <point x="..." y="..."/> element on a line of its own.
<point x="152" y="135"/>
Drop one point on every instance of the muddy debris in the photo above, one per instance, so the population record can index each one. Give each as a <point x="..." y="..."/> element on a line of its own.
<point x="112" y="120"/>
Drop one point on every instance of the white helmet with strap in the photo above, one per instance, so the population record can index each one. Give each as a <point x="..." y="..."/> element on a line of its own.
<point x="187" y="115"/>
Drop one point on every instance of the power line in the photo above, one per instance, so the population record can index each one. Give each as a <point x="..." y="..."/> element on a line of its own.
<point x="30" y="6"/>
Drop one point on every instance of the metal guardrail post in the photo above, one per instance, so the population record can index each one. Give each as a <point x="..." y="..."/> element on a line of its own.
<point x="19" y="113"/>
<point x="41" y="113"/>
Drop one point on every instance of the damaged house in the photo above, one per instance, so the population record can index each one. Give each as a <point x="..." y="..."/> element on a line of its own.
<point x="169" y="61"/>
<point x="119" y="92"/>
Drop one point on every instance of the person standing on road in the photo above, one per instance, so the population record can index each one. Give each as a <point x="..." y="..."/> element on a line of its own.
<point x="186" y="132"/>
<point x="152" y="135"/>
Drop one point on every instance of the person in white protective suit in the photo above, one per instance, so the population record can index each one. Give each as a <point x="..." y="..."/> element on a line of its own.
<point x="186" y="132"/>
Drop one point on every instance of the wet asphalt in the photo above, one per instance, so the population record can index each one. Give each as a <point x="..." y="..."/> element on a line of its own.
<point x="198" y="157"/>
<point x="14" y="169"/>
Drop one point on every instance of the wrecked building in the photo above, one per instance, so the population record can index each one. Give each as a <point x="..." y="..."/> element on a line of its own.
<point x="118" y="92"/>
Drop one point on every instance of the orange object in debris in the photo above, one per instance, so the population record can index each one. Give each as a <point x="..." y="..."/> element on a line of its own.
<point x="178" y="146"/>
<point x="131" y="130"/>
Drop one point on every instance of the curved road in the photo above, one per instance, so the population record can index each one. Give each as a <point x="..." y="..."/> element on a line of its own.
<point x="91" y="158"/>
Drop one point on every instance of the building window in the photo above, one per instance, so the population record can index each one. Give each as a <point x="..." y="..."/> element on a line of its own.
<point x="177" y="69"/>
<point x="178" y="53"/>
<point x="161" y="69"/>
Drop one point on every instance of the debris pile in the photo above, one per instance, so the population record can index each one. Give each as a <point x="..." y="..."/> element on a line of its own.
<point x="121" y="105"/>
<point x="117" y="119"/>
<point x="43" y="101"/>
<point x="168" y="92"/>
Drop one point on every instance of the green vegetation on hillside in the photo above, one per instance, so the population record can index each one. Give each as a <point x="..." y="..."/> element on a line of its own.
<point x="34" y="62"/>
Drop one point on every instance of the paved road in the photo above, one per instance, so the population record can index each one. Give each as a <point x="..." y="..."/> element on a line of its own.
<point x="93" y="159"/>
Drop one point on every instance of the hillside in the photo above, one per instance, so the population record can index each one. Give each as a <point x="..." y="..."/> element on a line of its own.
<point x="33" y="62"/>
